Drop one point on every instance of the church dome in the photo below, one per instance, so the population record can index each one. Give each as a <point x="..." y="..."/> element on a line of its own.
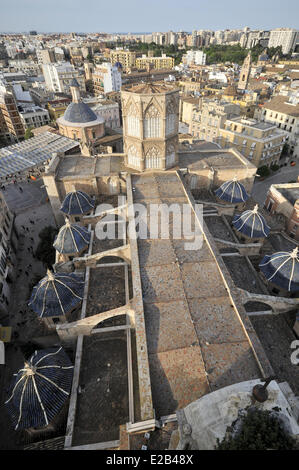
<point x="56" y="294"/>
<point x="232" y="191"/>
<point x="79" y="113"/>
<point x="71" y="239"/>
<point x="252" y="224"/>
<point x="40" y="389"/>
<point x="282" y="269"/>
<point x="231" y="90"/>
<point x="77" y="203"/>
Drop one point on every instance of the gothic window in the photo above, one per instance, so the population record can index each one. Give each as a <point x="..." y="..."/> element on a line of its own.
<point x="133" y="159"/>
<point x="152" y="123"/>
<point x="170" y="119"/>
<point x="152" y="158"/>
<point x="133" y="125"/>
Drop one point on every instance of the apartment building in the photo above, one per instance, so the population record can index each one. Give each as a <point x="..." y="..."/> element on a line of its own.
<point x="195" y="58"/>
<point x="187" y="106"/>
<point x="59" y="76"/>
<point x="157" y="63"/>
<point x="45" y="56"/>
<point x="261" y="143"/>
<point x="125" y="58"/>
<point x="285" y="37"/>
<point x="209" y="117"/>
<point x="283" y="112"/>
<point x="106" y="78"/>
<point x="34" y="116"/>
<point x="11" y="126"/>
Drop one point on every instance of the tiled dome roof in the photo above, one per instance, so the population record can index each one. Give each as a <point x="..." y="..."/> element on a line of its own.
<point x="71" y="238"/>
<point x="252" y="224"/>
<point x="282" y="269"/>
<point x="79" y="113"/>
<point x="232" y="191"/>
<point x="56" y="294"/>
<point x="40" y="389"/>
<point x="77" y="203"/>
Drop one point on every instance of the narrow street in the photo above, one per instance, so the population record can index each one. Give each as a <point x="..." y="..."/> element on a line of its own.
<point x="285" y="175"/>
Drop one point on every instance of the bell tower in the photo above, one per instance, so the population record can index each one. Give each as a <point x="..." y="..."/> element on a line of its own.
<point x="245" y="73"/>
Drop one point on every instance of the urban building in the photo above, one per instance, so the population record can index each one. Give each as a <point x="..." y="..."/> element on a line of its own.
<point x="284" y="199"/>
<point x="28" y="67"/>
<point x="157" y="63"/>
<point x="259" y="142"/>
<point x="57" y="107"/>
<point x="11" y="126"/>
<point x="287" y="38"/>
<point x="283" y="111"/>
<point x="58" y="77"/>
<point x="8" y="251"/>
<point x="125" y="58"/>
<point x="106" y="78"/>
<point x="45" y="56"/>
<point x="187" y="105"/>
<point x="150" y="125"/>
<point x="34" y="116"/>
<point x="209" y="117"/>
<point x="195" y="58"/>
<point x="107" y="109"/>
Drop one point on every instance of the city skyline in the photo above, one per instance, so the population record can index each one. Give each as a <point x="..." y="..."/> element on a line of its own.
<point x="68" y="16"/>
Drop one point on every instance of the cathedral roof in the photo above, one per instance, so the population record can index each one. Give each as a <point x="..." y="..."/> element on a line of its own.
<point x="252" y="224"/>
<point x="56" y="294"/>
<point x="40" y="389"/>
<point x="231" y="90"/>
<point x="77" y="203"/>
<point x="282" y="269"/>
<point x="149" y="88"/>
<point x="232" y="191"/>
<point x="72" y="238"/>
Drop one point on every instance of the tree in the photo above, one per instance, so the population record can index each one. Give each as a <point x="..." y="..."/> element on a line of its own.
<point x="257" y="430"/>
<point x="45" y="251"/>
<point x="263" y="171"/>
<point x="28" y="133"/>
<point x="285" y="150"/>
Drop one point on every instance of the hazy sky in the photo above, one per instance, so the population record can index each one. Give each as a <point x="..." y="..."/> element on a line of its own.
<point x="142" y="15"/>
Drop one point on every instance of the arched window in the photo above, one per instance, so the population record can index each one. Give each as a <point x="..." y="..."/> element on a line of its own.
<point x="171" y="119"/>
<point x="152" y="158"/>
<point x="170" y="156"/>
<point x="133" y="159"/>
<point x="133" y="125"/>
<point x="152" y="126"/>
